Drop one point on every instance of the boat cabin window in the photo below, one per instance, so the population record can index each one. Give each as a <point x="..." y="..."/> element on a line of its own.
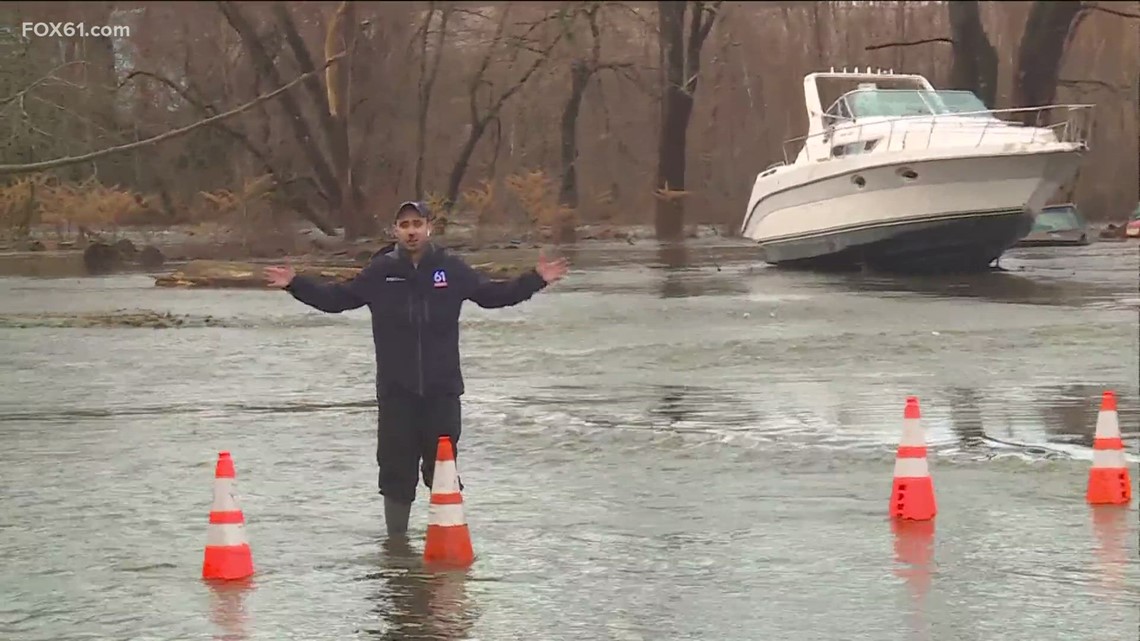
<point x="837" y="113"/>
<point x="1058" y="218"/>
<point x="899" y="103"/>
<point x="960" y="102"/>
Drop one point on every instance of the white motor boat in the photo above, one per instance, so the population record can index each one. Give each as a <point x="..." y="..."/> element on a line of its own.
<point x="896" y="175"/>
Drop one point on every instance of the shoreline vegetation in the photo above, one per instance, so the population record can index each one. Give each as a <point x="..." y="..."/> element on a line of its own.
<point x="547" y="116"/>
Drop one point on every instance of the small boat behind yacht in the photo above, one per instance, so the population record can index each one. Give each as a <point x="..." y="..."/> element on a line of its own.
<point x="897" y="175"/>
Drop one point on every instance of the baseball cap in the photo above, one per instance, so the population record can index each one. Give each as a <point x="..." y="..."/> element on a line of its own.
<point x="420" y="208"/>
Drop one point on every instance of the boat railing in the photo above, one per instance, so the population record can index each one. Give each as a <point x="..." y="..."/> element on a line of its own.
<point x="1069" y="123"/>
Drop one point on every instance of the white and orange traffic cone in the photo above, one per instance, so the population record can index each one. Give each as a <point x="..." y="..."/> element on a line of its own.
<point x="448" y="539"/>
<point x="912" y="493"/>
<point x="228" y="556"/>
<point x="1109" y="481"/>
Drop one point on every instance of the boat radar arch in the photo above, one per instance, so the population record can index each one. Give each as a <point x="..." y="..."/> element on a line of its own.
<point x="812" y="100"/>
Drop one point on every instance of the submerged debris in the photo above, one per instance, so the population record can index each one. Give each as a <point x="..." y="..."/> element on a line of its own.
<point x="117" y="318"/>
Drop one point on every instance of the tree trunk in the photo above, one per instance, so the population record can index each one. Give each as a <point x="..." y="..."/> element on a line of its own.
<point x="975" y="66"/>
<point x="461" y="162"/>
<point x="579" y="77"/>
<point x="427" y="84"/>
<point x="303" y="135"/>
<point x="1041" y="50"/>
<point x="669" y="220"/>
<point x="339" y="39"/>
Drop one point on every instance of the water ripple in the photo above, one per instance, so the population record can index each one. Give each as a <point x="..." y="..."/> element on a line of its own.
<point x="684" y="443"/>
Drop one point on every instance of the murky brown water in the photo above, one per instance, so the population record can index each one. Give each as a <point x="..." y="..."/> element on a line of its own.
<point x="650" y="453"/>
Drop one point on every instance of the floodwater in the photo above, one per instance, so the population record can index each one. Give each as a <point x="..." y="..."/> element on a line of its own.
<point x="700" y="452"/>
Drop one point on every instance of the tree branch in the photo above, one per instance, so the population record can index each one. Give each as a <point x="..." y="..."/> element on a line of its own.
<point x="50" y="76"/>
<point x="477" y="78"/>
<point x="1115" y="12"/>
<point x="265" y="66"/>
<point x="305" y="62"/>
<point x="887" y="45"/>
<point x="1095" y="83"/>
<point x="74" y="160"/>
<point x="205" y="108"/>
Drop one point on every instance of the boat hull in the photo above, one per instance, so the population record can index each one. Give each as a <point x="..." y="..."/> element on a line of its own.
<point x="966" y="242"/>
<point x="953" y="212"/>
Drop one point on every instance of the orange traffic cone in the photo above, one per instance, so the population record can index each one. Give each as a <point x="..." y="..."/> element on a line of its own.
<point x="1109" y="482"/>
<point x="912" y="494"/>
<point x="227" y="551"/>
<point x="448" y="539"/>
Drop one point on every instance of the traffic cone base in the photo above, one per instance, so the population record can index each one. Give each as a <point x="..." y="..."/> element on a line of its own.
<point x="913" y="498"/>
<point x="1109" y="481"/>
<point x="912" y="492"/>
<point x="227" y="555"/>
<point x="1109" y="486"/>
<point x="228" y="562"/>
<point x="448" y="541"/>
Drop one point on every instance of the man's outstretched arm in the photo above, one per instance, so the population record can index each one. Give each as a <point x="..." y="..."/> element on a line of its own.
<point x="491" y="294"/>
<point x="332" y="297"/>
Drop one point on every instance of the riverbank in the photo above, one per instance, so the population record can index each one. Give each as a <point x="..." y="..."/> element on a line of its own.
<point x="186" y="257"/>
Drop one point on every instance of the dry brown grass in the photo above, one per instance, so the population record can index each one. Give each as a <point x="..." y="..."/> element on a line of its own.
<point x="247" y="216"/>
<point x="479" y="202"/>
<point x="18" y="208"/>
<point x="88" y="206"/>
<point x="537" y="194"/>
<point x="437" y="204"/>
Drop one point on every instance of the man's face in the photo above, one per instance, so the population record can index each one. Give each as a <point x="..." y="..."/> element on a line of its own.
<point x="412" y="230"/>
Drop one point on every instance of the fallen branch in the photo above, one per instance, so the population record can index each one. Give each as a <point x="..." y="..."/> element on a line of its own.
<point x="887" y="45"/>
<point x="74" y="160"/>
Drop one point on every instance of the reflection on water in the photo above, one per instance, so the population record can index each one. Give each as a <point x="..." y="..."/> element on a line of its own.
<point x="228" y="608"/>
<point x="417" y="605"/>
<point x="1112" y="525"/>
<point x="683" y="277"/>
<point x="992" y="287"/>
<point x="1071" y="413"/>
<point x="914" y="552"/>
<point x="966" y="416"/>
<point x="707" y="406"/>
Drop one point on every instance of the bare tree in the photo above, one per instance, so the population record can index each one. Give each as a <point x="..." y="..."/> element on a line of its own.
<point x="582" y="70"/>
<point x="63" y="162"/>
<point x="1042" y="47"/>
<point x="480" y="118"/>
<point x="975" y="60"/>
<point x="682" y="70"/>
<point x="334" y="170"/>
<point x="429" y="71"/>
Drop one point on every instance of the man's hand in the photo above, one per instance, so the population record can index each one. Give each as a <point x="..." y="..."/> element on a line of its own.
<point x="551" y="271"/>
<point x="279" y="276"/>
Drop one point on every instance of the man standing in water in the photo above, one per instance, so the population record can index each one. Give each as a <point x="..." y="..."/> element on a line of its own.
<point x="415" y="292"/>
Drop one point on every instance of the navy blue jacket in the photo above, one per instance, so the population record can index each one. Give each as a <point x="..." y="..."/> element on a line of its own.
<point x="415" y="313"/>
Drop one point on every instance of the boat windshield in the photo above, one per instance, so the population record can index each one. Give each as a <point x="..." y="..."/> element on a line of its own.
<point x="897" y="103"/>
<point x="1058" y="218"/>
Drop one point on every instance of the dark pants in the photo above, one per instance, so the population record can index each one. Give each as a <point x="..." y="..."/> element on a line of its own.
<point x="407" y="433"/>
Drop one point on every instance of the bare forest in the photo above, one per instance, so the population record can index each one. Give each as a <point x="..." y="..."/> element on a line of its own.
<point x="529" y="115"/>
